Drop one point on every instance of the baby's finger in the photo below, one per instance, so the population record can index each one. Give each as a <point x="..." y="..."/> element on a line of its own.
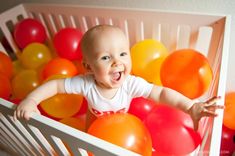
<point x="14" y="116"/>
<point x="207" y="112"/>
<point x="214" y="106"/>
<point x="213" y="100"/>
<point x="21" y="114"/>
<point x="195" y="124"/>
<point x="27" y="115"/>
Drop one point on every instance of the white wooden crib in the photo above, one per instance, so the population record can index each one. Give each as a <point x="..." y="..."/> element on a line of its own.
<point x="206" y="33"/>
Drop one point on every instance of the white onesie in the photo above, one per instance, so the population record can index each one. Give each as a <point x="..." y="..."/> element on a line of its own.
<point x="85" y="85"/>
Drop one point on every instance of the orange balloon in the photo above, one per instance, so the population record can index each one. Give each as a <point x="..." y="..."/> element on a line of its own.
<point x="59" y="66"/>
<point x="229" y="111"/>
<point x="62" y="105"/>
<point x="187" y="71"/>
<point x="24" y="82"/>
<point x="80" y="67"/>
<point x="17" y="67"/>
<point x="124" y="130"/>
<point x="147" y="57"/>
<point x="54" y="77"/>
<point x="74" y="122"/>
<point x="6" y="66"/>
<point x="5" y="87"/>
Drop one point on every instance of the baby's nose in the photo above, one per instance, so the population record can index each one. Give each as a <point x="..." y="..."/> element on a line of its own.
<point x="116" y="62"/>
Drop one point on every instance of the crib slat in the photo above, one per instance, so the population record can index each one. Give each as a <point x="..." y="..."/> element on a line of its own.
<point x="25" y="135"/>
<point x="13" y="140"/>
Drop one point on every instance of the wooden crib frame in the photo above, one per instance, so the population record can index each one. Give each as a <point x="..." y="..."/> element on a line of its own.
<point x="40" y="135"/>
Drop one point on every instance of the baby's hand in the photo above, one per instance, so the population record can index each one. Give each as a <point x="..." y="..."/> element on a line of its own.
<point x="201" y="109"/>
<point x="25" y="109"/>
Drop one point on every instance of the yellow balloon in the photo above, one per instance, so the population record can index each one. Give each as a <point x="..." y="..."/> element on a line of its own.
<point x="147" y="57"/>
<point x="35" y="55"/>
<point x="24" y="82"/>
<point x="17" y="67"/>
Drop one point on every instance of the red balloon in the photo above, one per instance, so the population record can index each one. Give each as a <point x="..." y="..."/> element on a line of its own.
<point x="6" y="65"/>
<point x="67" y="43"/>
<point x="83" y="109"/>
<point x="5" y="87"/>
<point x="59" y="66"/>
<point x="171" y="131"/>
<point x="124" y="130"/>
<point x="186" y="71"/>
<point x="141" y="107"/>
<point x="227" y="141"/>
<point x="28" y="31"/>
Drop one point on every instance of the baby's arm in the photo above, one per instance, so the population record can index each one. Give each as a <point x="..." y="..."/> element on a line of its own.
<point x="171" y="97"/>
<point x="45" y="91"/>
<point x="194" y="108"/>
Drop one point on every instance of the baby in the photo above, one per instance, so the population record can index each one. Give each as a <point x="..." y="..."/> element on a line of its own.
<point x="108" y="85"/>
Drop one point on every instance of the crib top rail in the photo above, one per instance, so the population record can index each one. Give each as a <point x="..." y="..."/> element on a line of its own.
<point x="44" y="136"/>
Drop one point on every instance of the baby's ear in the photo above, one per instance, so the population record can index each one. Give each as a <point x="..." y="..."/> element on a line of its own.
<point x="86" y="66"/>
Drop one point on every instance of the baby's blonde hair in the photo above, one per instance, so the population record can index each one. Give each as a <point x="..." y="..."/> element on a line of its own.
<point x="88" y="38"/>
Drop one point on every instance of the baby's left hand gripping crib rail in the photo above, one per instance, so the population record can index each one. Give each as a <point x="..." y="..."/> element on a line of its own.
<point x="43" y="136"/>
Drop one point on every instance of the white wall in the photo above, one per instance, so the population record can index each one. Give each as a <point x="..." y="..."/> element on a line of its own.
<point x="205" y="6"/>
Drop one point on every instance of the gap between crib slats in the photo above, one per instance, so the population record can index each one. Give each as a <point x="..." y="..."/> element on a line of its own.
<point x="56" y="144"/>
<point x="41" y="140"/>
<point x="25" y="133"/>
<point x="5" y="141"/>
<point x="19" y="145"/>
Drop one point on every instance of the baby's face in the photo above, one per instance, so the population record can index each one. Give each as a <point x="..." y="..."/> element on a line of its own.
<point x="109" y="58"/>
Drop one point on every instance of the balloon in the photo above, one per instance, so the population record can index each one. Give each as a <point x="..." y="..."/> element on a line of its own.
<point x="28" y="31"/>
<point x="58" y="66"/>
<point x="62" y="105"/>
<point x="80" y="67"/>
<point x="35" y="55"/>
<point x="24" y="82"/>
<point x="54" y="77"/>
<point x="141" y="107"/>
<point x="186" y="71"/>
<point x="227" y="141"/>
<point x="147" y="57"/>
<point x="6" y="65"/>
<point x="17" y="67"/>
<point x="5" y="87"/>
<point x="124" y="130"/>
<point x="229" y="111"/>
<point x="171" y="131"/>
<point x="67" y="43"/>
<point x="83" y="108"/>
<point x="15" y="101"/>
<point x="74" y="122"/>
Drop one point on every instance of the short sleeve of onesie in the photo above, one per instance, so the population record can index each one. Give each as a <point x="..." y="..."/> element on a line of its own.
<point x="78" y="84"/>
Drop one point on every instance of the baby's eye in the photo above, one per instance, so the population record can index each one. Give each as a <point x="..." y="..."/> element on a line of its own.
<point x="123" y="54"/>
<point x="105" y="58"/>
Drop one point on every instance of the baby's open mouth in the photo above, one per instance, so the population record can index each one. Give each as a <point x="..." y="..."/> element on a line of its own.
<point x="117" y="76"/>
